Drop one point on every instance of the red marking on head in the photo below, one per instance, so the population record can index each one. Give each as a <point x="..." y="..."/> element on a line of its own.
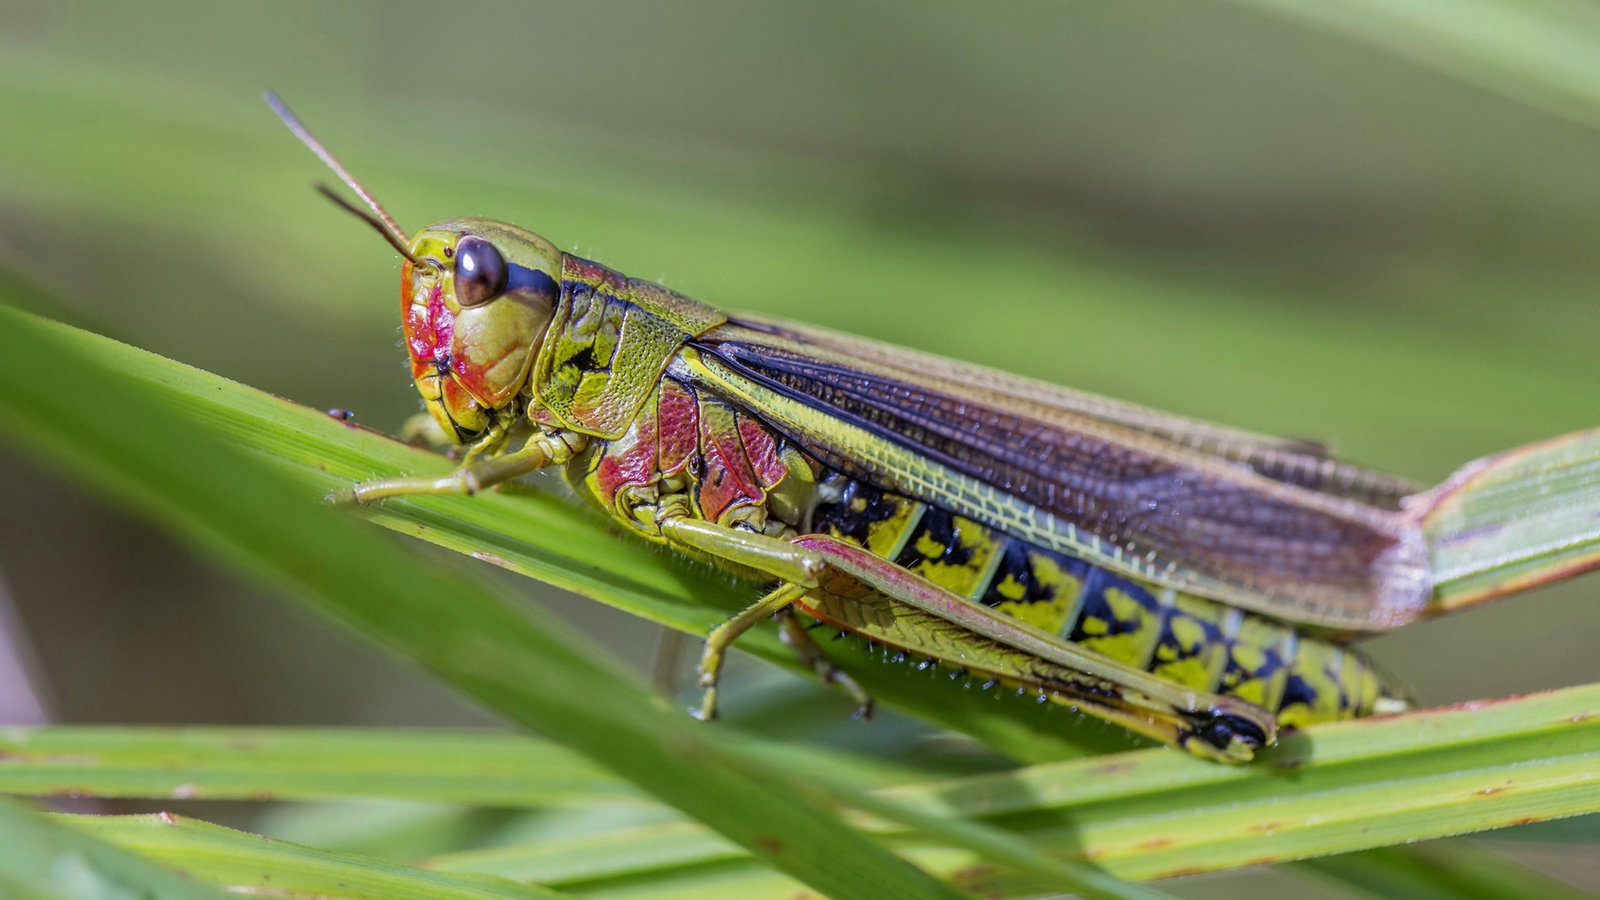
<point x="431" y="330"/>
<point x="474" y="378"/>
<point x="459" y="401"/>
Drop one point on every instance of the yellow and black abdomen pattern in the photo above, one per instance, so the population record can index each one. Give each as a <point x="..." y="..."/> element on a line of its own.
<point x="1185" y="639"/>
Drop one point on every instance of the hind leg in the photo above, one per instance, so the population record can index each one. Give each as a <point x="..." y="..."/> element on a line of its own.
<point x="847" y="586"/>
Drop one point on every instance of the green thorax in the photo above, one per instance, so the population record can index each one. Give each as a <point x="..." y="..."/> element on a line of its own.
<point x="610" y="342"/>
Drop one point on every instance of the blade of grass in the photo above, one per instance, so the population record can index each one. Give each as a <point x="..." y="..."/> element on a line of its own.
<point x="602" y="868"/>
<point x="143" y="452"/>
<point x="1537" y="52"/>
<point x="455" y="766"/>
<point x="626" y="851"/>
<point x="1147" y="814"/>
<point x="991" y="845"/>
<point x="1446" y="870"/>
<point x="40" y="858"/>
<point x="1156" y="814"/>
<point x="1515" y="520"/>
<point x="488" y="768"/>
<point x="1329" y="789"/>
<point x="248" y="863"/>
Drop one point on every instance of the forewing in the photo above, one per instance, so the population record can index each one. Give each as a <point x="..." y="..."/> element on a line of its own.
<point x="1302" y="462"/>
<point x="1100" y="479"/>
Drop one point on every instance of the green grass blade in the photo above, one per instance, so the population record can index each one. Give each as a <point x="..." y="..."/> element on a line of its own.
<point x="40" y="859"/>
<point x="487" y="768"/>
<point x="1446" y="870"/>
<point x="1538" y="52"/>
<point x="1516" y="520"/>
<point x="466" y="767"/>
<point x="137" y="445"/>
<point x="1329" y="789"/>
<point x="1144" y="814"/>
<point x="626" y="851"/>
<point x="740" y="879"/>
<point x="248" y="863"/>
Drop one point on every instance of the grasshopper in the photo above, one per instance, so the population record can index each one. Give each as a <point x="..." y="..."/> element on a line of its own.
<point x="1190" y="582"/>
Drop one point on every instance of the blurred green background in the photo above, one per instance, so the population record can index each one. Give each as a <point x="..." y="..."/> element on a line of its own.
<point x="1326" y="224"/>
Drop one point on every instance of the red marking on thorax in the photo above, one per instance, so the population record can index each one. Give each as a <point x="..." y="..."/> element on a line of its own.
<point x="762" y="451"/>
<point x="664" y="439"/>
<point x="736" y="454"/>
<point x="576" y="268"/>
<point x="741" y="462"/>
<point x="678" y="426"/>
<point x="630" y="461"/>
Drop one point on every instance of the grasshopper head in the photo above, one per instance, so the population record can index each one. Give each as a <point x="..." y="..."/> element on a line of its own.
<point x="476" y="297"/>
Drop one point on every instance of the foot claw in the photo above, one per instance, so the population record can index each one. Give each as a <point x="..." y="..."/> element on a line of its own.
<point x="343" y="497"/>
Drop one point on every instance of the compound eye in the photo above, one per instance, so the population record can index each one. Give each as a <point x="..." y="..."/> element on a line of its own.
<point x="480" y="271"/>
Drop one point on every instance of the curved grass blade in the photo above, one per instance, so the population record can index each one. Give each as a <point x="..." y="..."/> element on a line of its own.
<point x="127" y="444"/>
<point x="1448" y="870"/>
<point x="481" y="767"/>
<point x="1516" y="520"/>
<point x="40" y="858"/>
<point x="1538" y="53"/>
<point x="1144" y="814"/>
<point x="251" y="864"/>
<point x="1330" y="789"/>
<point x="1155" y="814"/>
<point x="476" y="766"/>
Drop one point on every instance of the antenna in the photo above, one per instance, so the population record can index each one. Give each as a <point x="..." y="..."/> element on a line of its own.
<point x="380" y="218"/>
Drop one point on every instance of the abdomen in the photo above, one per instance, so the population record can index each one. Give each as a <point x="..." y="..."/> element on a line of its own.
<point x="1196" y="642"/>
